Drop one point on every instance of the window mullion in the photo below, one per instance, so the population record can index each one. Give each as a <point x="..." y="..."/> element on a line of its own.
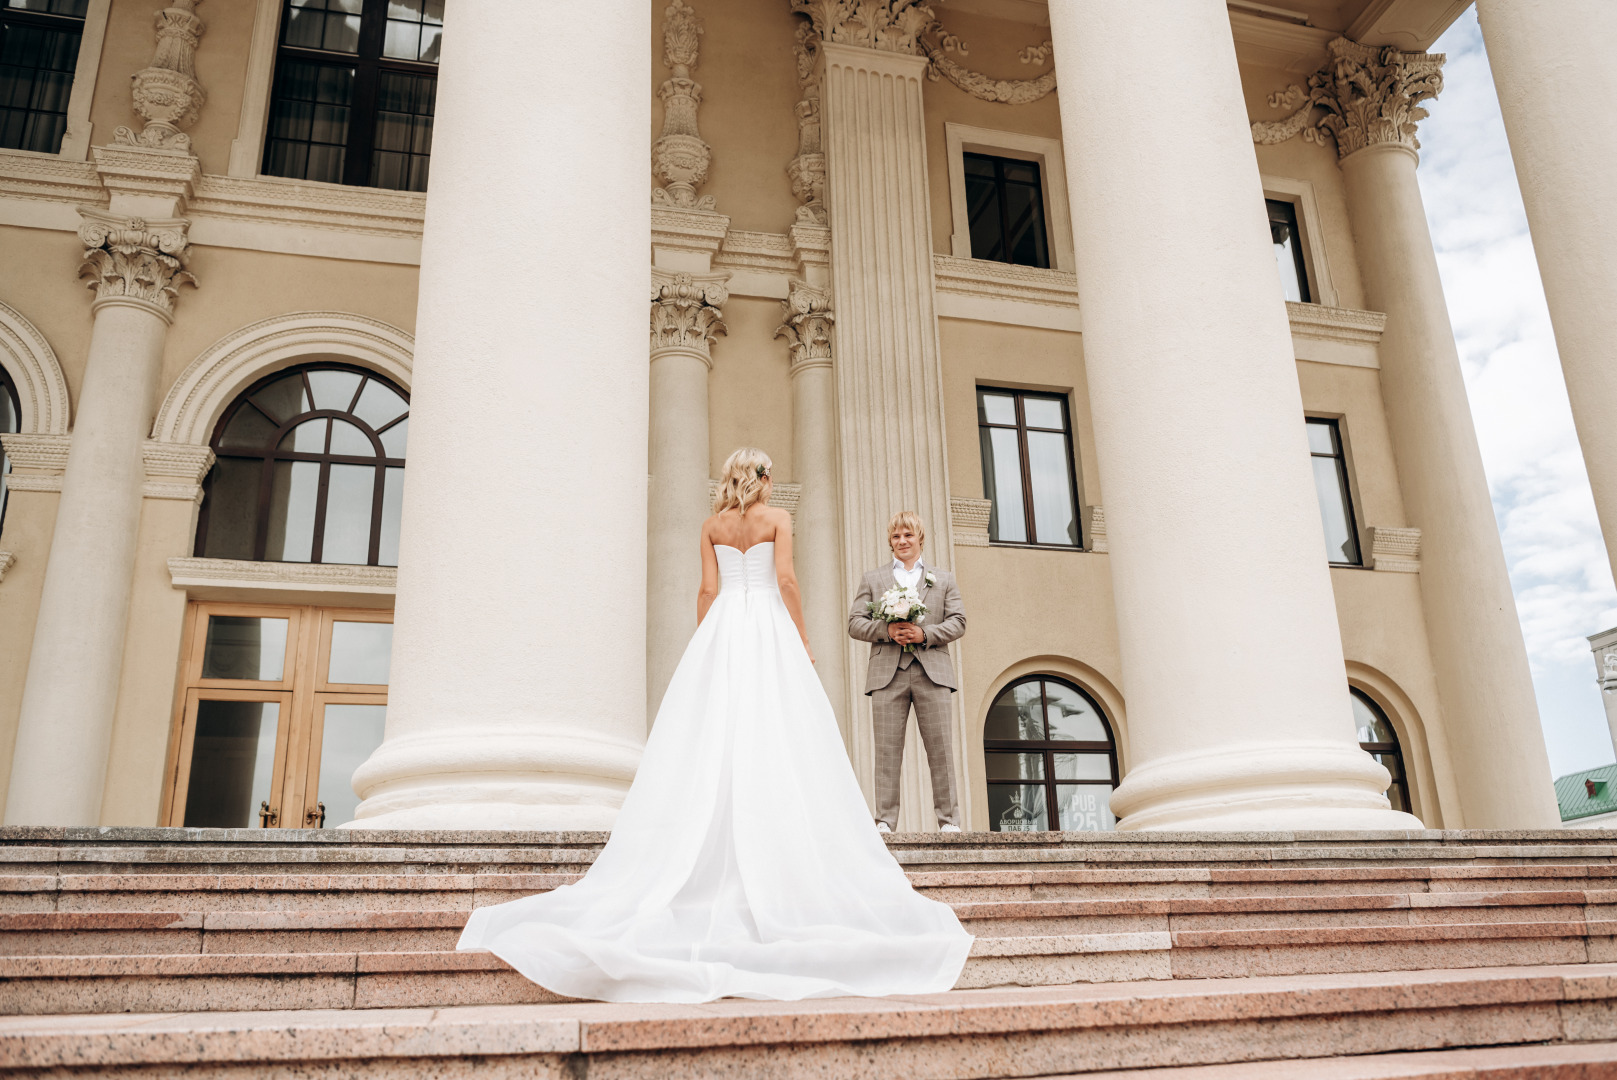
<point x="1027" y="477"/>
<point x="317" y="543"/>
<point x="367" y="73"/>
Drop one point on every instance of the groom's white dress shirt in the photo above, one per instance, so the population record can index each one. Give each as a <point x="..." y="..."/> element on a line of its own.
<point x="908" y="578"/>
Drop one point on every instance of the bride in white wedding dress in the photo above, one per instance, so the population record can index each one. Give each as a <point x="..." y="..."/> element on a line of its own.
<point x="743" y="862"/>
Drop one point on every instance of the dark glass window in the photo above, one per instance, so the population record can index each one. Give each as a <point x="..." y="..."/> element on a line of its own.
<point x="1027" y="467"/>
<point x="355" y="86"/>
<point x="1331" y="485"/>
<point x="1005" y="208"/>
<point x="310" y="469"/>
<point x="1051" y="759"/>
<point x="1380" y="741"/>
<point x="39" y="48"/>
<point x="10" y="421"/>
<point x="1288" y="250"/>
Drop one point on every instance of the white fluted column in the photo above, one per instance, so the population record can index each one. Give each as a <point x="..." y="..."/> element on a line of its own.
<point x="1476" y="640"/>
<point x="518" y="695"/>
<point x="685" y="314"/>
<point x="64" y="732"/>
<point x="1553" y="71"/>
<point x="817" y="535"/>
<point x="1239" y="716"/>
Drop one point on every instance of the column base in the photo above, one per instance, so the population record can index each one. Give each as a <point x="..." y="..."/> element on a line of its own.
<point x="495" y="778"/>
<point x="1262" y="787"/>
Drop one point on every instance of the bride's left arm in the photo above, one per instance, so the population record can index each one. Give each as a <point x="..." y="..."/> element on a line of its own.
<point x="786" y="576"/>
<point x="709" y="589"/>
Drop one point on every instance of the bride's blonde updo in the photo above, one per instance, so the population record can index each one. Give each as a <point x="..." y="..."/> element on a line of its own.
<point x="741" y="482"/>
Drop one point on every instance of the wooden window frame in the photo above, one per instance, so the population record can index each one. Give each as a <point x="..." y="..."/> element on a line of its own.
<point x="303" y="692"/>
<point x="368" y="65"/>
<point x="1048" y="748"/>
<point x="1021" y="428"/>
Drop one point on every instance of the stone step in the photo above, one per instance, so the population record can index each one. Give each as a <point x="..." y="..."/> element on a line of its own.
<point x="1300" y="1023"/>
<point x="121" y="932"/>
<point x="436" y="890"/>
<point x="354" y="977"/>
<point x="1564" y="1061"/>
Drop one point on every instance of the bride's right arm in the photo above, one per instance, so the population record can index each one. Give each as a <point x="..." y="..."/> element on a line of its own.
<point x="709" y="589"/>
<point x="786" y="578"/>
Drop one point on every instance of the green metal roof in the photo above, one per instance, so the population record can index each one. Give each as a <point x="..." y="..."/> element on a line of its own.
<point x="1572" y="793"/>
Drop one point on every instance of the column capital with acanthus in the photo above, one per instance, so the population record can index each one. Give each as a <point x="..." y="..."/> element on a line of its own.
<point x="1372" y="96"/>
<point x="806" y="325"/>
<point x="883" y="25"/>
<point x="132" y="259"/>
<point x="686" y="311"/>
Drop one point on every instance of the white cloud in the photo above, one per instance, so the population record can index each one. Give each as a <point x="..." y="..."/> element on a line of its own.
<point x="1558" y="565"/>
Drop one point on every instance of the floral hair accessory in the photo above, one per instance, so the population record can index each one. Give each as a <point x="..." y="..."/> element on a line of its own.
<point x="762" y="472"/>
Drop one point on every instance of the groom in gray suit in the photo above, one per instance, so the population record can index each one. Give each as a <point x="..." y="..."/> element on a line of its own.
<point x="923" y="678"/>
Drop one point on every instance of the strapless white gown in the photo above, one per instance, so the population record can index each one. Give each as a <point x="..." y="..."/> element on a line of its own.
<point x="744" y="862"/>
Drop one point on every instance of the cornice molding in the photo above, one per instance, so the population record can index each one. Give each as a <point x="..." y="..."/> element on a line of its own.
<point x="187" y="573"/>
<point x="310" y="205"/>
<point x="1097" y="530"/>
<point x="743" y="250"/>
<point x="1004" y="281"/>
<point x="1396" y="549"/>
<point x="175" y="470"/>
<point x="7" y="561"/>
<point x="1323" y="323"/>
<point x="968" y="520"/>
<point x="37" y="460"/>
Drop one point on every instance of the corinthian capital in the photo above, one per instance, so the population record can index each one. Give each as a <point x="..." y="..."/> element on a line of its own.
<point x="1371" y="95"/>
<point x="135" y="259"/>
<point x="166" y="93"/>
<point x="806" y="326"/>
<point x="685" y="311"/>
<point x="885" y="25"/>
<point x="679" y="157"/>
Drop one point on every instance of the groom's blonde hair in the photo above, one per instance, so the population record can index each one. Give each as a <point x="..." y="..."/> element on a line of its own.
<point x="906" y="519"/>
<point x="741" y="481"/>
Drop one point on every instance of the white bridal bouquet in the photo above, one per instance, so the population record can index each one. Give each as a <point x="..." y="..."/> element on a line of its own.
<point x="899" y="604"/>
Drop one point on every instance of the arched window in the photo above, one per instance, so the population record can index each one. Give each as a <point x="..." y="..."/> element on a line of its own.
<point x="1380" y="741"/>
<point x="10" y="420"/>
<point x="1051" y="759"/>
<point x="310" y="469"/>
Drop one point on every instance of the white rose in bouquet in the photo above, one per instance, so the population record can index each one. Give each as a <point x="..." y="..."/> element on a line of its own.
<point x="898" y="604"/>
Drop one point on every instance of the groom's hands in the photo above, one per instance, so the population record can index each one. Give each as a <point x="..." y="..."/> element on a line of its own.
<point x="905" y="633"/>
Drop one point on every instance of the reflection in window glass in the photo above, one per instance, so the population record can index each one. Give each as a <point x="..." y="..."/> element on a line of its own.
<point x="360" y="652"/>
<point x="1049" y="759"/>
<point x="1028" y="475"/>
<point x="1378" y="739"/>
<point x="1288" y="247"/>
<point x="1005" y="210"/>
<point x="1331" y="486"/>
<point x="232" y="763"/>
<point x="350" y="734"/>
<point x="292" y="484"/>
<point x="242" y="647"/>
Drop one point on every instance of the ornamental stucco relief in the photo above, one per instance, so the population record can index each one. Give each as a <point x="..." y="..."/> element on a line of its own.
<point x="1371" y="96"/>
<point x="679" y="157"/>
<point x="135" y="259"/>
<point x="806" y="326"/>
<point x="685" y="311"/>
<point x="166" y="93"/>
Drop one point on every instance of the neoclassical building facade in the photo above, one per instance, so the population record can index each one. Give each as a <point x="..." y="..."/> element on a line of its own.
<point x="341" y="485"/>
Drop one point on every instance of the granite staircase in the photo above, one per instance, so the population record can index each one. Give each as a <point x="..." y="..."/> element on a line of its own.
<point x="211" y="953"/>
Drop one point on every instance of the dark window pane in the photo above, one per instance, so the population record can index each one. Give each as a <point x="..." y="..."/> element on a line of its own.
<point x="36" y="78"/>
<point x="247" y="428"/>
<point x="74" y="8"/>
<point x="231" y="504"/>
<point x="1085" y="807"/>
<point x="309" y="120"/>
<point x="232" y="763"/>
<point x="294" y="494"/>
<point x="9" y="421"/>
<point x="402" y="139"/>
<point x="1016" y="715"/>
<point x="243" y="647"/>
<point x="1005" y="210"/>
<point x="1002" y="484"/>
<point x="1017" y="808"/>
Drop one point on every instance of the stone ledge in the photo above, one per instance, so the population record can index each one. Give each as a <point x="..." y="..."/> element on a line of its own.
<point x="227" y="576"/>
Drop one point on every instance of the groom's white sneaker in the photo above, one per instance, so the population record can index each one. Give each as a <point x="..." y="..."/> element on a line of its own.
<point x="881" y="827"/>
<point x="948" y="828"/>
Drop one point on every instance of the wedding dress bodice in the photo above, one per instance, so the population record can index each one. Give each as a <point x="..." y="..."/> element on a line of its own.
<point x="747" y="571"/>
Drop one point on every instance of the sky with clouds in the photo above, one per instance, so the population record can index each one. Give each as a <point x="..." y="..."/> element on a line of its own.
<point x="1558" y="565"/>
